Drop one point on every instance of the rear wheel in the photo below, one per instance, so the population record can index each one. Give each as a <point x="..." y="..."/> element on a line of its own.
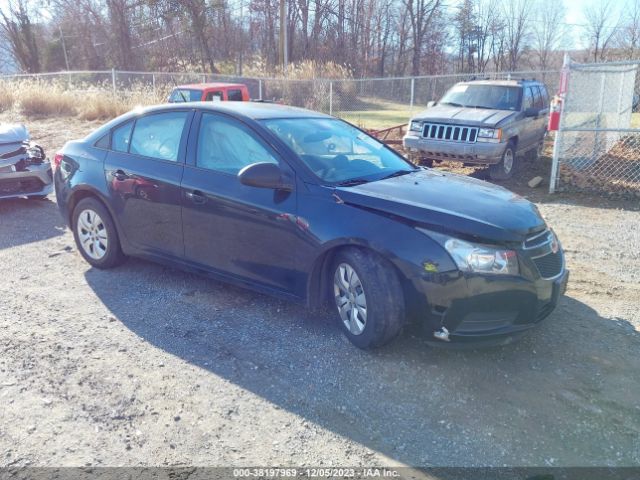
<point x="368" y="297"/>
<point x="507" y="165"/>
<point x="95" y="234"/>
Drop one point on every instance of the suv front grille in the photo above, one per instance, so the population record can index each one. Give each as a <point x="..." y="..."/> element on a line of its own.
<point x="450" y="133"/>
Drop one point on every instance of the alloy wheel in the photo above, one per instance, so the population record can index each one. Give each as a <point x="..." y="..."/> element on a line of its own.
<point x="508" y="160"/>
<point x="350" y="298"/>
<point x="92" y="234"/>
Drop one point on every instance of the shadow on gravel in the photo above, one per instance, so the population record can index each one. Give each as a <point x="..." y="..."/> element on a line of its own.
<point x="554" y="398"/>
<point x="25" y="221"/>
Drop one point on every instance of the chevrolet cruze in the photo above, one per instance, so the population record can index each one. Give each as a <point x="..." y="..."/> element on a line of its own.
<point x="310" y="208"/>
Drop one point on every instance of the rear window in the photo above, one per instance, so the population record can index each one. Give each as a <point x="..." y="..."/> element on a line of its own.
<point x="185" y="95"/>
<point x="234" y="95"/>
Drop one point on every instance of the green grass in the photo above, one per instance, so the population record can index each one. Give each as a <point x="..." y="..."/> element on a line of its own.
<point x="374" y="113"/>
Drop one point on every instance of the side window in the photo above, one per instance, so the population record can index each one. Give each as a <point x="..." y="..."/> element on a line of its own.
<point x="528" y="100"/>
<point x="538" y="97"/>
<point x="234" y="95"/>
<point x="226" y="145"/>
<point x="104" y="142"/>
<point x="545" y="96"/>
<point x="214" y="96"/>
<point x="158" y="135"/>
<point x="121" y="137"/>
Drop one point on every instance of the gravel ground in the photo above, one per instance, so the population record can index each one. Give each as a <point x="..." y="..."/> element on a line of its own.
<point x="147" y="365"/>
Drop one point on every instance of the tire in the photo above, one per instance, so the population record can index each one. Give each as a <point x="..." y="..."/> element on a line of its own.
<point x="92" y="223"/>
<point x="376" y="285"/>
<point x="536" y="153"/>
<point x="504" y="169"/>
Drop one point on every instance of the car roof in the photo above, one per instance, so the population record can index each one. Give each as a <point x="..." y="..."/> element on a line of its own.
<point x="206" y="86"/>
<point x="504" y="83"/>
<point x="241" y="110"/>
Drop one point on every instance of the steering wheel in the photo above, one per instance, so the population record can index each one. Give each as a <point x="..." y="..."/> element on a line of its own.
<point x="338" y="163"/>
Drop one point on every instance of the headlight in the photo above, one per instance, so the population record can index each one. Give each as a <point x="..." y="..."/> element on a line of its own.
<point x="489" y="135"/>
<point x="474" y="257"/>
<point x="415" y="126"/>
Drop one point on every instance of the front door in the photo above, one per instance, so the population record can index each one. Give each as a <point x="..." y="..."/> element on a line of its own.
<point x="143" y="171"/>
<point x="248" y="232"/>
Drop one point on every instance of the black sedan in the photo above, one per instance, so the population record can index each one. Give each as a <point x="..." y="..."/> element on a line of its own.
<point x="308" y="207"/>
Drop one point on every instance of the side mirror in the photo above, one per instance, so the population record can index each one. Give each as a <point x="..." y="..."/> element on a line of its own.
<point x="431" y="103"/>
<point x="264" y="175"/>
<point x="531" y="112"/>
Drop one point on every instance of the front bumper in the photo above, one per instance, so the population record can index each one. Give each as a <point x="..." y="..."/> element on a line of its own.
<point x="35" y="180"/>
<point x="483" y="309"/>
<point x="479" y="152"/>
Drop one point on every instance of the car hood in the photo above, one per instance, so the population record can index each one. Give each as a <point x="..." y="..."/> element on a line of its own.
<point x="450" y="202"/>
<point x="465" y="116"/>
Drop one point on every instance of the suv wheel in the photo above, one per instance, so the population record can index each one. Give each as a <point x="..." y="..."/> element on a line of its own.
<point x="95" y="234"/>
<point x="368" y="297"/>
<point x="507" y="165"/>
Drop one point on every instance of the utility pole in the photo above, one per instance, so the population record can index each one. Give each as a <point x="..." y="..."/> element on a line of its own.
<point x="283" y="36"/>
<point x="241" y="38"/>
<point x="64" y="48"/>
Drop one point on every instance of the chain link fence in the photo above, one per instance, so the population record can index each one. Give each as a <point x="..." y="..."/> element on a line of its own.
<point x="373" y="103"/>
<point x="598" y="143"/>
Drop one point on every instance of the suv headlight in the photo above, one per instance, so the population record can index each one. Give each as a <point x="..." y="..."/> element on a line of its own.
<point x="415" y="126"/>
<point x="475" y="257"/>
<point x="493" y="135"/>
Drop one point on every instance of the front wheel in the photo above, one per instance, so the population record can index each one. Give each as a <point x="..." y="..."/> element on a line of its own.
<point x="506" y="167"/>
<point x="368" y="297"/>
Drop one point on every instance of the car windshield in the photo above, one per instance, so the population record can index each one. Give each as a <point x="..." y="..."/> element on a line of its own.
<point x="338" y="152"/>
<point x="495" y="97"/>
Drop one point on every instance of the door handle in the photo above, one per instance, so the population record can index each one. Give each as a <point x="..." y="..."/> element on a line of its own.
<point x="120" y="175"/>
<point x="196" y="197"/>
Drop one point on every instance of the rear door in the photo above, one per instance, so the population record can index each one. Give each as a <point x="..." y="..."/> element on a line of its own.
<point x="250" y="233"/>
<point x="528" y="124"/>
<point x="143" y="171"/>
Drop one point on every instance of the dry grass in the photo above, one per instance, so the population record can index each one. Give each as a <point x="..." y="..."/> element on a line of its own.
<point x="7" y="98"/>
<point x="38" y="99"/>
<point x="87" y="102"/>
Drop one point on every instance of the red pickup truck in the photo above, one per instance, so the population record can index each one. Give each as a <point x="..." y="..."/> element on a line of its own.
<point x="206" y="92"/>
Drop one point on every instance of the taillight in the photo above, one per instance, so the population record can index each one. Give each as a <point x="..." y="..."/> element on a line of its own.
<point x="57" y="159"/>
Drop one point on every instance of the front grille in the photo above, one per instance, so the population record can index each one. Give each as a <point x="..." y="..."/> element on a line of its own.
<point x="20" y="185"/>
<point x="549" y="265"/>
<point x="450" y="133"/>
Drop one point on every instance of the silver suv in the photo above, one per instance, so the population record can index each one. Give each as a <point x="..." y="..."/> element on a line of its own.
<point x="491" y="122"/>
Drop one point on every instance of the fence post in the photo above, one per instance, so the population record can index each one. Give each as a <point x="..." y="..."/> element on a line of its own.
<point x="413" y="88"/>
<point x="330" y="97"/>
<point x="153" y="82"/>
<point x="260" y="89"/>
<point x="113" y="80"/>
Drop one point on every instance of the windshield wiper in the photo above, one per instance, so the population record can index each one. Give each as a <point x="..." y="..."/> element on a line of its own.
<point x="397" y="173"/>
<point x="352" y="182"/>
<point x="483" y="106"/>
<point x="453" y="104"/>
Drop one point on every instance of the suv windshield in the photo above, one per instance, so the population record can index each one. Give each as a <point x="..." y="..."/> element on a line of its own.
<point x="495" y="97"/>
<point x="185" y="95"/>
<point x="337" y="152"/>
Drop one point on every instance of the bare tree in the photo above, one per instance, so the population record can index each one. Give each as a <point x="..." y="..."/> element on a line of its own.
<point x="19" y="32"/>
<point x="548" y="30"/>
<point x="517" y="14"/>
<point x="627" y="37"/>
<point x="420" y="13"/>
<point x="600" y="28"/>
